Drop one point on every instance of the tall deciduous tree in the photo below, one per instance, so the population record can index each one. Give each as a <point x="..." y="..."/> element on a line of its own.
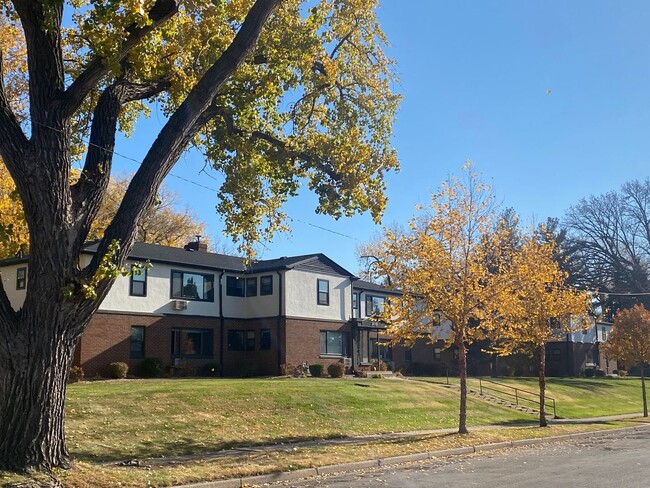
<point x="538" y="307"/>
<point x="441" y="266"/>
<point x="14" y="234"/>
<point x="609" y="236"/>
<point x="629" y="342"/>
<point x="163" y="223"/>
<point x="276" y="93"/>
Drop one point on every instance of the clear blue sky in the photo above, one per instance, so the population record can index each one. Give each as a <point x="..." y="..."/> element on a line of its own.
<point x="474" y="76"/>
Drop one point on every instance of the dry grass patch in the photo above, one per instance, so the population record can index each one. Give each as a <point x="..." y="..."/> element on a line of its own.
<point x="85" y="475"/>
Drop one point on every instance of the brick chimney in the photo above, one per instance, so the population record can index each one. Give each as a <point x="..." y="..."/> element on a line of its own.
<point x="197" y="246"/>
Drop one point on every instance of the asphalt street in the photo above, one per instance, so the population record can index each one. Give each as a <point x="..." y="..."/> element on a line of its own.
<point x="616" y="460"/>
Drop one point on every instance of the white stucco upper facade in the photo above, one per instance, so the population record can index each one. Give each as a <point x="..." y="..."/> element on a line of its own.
<point x="301" y="296"/>
<point x="9" y="277"/>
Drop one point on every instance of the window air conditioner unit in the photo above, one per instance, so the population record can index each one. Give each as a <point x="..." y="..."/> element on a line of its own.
<point x="179" y="305"/>
<point x="347" y="362"/>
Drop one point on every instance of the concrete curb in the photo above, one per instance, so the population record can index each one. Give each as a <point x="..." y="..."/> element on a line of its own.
<point x="408" y="458"/>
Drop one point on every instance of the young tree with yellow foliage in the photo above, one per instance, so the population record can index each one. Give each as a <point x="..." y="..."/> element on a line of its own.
<point x="440" y="266"/>
<point x="14" y="234"/>
<point x="629" y="342"/>
<point x="537" y="306"/>
<point x="275" y="93"/>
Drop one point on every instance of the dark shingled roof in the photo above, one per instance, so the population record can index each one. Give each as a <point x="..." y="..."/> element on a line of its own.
<point x="200" y="259"/>
<point x="369" y="286"/>
<point x="208" y="260"/>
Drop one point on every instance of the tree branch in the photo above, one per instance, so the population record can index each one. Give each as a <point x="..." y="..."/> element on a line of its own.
<point x="88" y="192"/>
<point x="88" y="79"/>
<point x="179" y="130"/>
<point x="277" y="143"/>
<point x="41" y="23"/>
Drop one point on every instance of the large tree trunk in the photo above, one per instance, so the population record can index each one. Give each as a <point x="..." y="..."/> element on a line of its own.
<point x="542" y="386"/>
<point x="32" y="397"/>
<point x="462" y="374"/>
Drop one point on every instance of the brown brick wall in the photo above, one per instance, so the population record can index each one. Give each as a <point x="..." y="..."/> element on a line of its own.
<point x="303" y="340"/>
<point x="255" y="362"/>
<point x="108" y="339"/>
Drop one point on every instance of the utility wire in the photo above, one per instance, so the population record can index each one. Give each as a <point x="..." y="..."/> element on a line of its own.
<point x="195" y="183"/>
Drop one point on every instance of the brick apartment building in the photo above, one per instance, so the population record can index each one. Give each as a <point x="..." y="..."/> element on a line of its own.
<point x="195" y="308"/>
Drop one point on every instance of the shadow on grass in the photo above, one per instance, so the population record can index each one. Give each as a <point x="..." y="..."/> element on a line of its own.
<point x="188" y="447"/>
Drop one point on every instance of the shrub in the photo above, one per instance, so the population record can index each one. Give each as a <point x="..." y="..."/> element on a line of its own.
<point x="316" y="370"/>
<point x="151" y="367"/>
<point x="600" y="373"/>
<point x="118" y="370"/>
<point x="210" y="370"/>
<point x="336" y="370"/>
<point x="590" y="373"/>
<point x="622" y="372"/>
<point x="76" y="374"/>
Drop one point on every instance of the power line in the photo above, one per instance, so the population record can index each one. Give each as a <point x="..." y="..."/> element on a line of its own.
<point x="187" y="180"/>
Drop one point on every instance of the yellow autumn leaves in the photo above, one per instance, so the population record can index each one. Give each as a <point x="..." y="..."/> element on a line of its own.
<point x="162" y="224"/>
<point x="456" y="260"/>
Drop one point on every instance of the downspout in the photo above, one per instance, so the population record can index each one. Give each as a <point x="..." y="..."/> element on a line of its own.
<point x="221" y="325"/>
<point x="279" y="322"/>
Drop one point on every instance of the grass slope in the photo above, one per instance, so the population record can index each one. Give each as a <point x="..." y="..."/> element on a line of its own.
<point x="581" y="397"/>
<point x="113" y="420"/>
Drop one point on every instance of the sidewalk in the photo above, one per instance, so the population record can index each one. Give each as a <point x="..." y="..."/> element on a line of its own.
<point x="375" y="463"/>
<point x="339" y="441"/>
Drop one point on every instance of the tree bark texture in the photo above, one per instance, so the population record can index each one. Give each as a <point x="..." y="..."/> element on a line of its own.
<point x="37" y="342"/>
<point x="542" y="386"/>
<point x="462" y="375"/>
<point x="32" y="399"/>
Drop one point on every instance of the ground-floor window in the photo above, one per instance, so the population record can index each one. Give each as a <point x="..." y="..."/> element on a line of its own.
<point x="265" y="339"/>
<point x="192" y="342"/>
<point x="241" y="340"/>
<point x="137" y="342"/>
<point x="333" y="343"/>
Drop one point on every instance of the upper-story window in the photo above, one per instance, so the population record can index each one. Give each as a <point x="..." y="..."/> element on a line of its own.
<point x="266" y="285"/>
<point x="241" y="287"/>
<point x="251" y="287"/>
<point x="355" y="305"/>
<point x="138" y="284"/>
<point x="193" y="286"/>
<point x="21" y="278"/>
<point x="374" y="305"/>
<point x="235" y="286"/>
<point x="323" y="287"/>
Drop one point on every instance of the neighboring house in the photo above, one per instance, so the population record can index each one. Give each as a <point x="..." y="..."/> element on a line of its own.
<point x="577" y="351"/>
<point x="195" y="308"/>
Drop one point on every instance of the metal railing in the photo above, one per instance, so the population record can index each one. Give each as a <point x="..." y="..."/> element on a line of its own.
<point x="514" y="395"/>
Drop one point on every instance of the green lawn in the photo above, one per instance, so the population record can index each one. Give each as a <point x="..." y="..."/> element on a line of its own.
<point x="117" y="420"/>
<point x="111" y="420"/>
<point x="580" y="397"/>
